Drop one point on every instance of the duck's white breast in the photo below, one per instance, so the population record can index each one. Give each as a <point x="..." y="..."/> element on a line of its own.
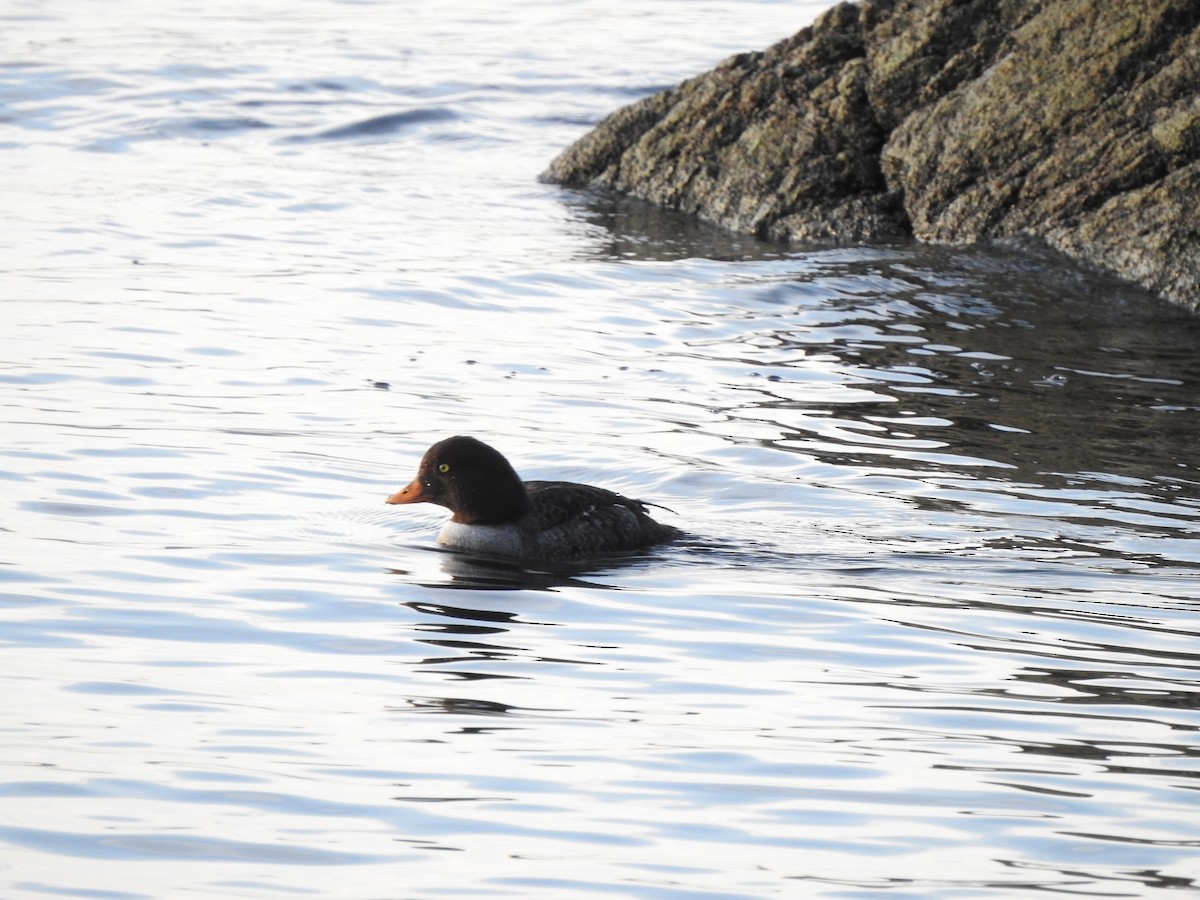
<point x="497" y="540"/>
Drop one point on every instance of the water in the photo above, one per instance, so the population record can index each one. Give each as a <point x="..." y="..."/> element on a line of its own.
<point x="933" y="631"/>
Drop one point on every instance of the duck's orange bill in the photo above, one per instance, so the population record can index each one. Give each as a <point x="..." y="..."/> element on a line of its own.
<point x="413" y="493"/>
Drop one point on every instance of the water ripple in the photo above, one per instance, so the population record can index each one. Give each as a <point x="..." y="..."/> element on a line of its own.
<point x="932" y="627"/>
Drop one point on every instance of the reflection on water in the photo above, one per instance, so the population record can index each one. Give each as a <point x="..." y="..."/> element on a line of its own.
<point x="628" y="228"/>
<point x="469" y="572"/>
<point x="932" y="629"/>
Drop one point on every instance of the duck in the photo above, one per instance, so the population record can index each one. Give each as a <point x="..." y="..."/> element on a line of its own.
<point x="497" y="514"/>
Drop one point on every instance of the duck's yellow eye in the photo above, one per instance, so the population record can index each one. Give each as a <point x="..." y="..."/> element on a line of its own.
<point x="444" y="468"/>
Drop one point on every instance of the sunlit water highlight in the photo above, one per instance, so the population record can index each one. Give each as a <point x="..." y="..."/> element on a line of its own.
<point x="932" y="632"/>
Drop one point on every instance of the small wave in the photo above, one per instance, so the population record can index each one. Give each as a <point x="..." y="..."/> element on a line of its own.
<point x="380" y="126"/>
<point x="359" y="526"/>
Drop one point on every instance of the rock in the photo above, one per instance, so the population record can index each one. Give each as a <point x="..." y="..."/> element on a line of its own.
<point x="1076" y="122"/>
<point x="779" y="144"/>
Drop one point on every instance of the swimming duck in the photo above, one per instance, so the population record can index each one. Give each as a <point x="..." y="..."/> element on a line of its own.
<point x="498" y="514"/>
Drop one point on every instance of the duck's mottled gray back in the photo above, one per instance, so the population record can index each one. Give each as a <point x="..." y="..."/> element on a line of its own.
<point x="579" y="520"/>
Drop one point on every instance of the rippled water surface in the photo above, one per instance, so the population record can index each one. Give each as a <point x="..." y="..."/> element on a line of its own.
<point x="933" y="631"/>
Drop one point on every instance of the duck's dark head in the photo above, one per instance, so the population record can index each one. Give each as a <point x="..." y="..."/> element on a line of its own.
<point x="469" y="478"/>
